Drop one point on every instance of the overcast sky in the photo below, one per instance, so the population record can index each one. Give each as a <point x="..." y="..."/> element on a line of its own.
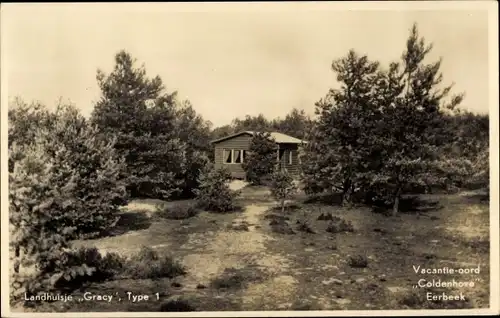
<point x="228" y="63"/>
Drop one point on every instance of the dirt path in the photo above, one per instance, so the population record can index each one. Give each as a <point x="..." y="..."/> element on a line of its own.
<point x="239" y="249"/>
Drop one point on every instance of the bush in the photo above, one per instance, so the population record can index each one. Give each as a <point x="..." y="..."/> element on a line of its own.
<point x="148" y="264"/>
<point x="260" y="158"/>
<point x="214" y="193"/>
<point x="177" y="211"/>
<point x="358" y="261"/>
<point x="233" y="278"/>
<point x="103" y="267"/>
<point x="282" y="186"/>
<point x="281" y="227"/>
<point x="338" y="225"/>
<point x="304" y="226"/>
<point x="84" y="167"/>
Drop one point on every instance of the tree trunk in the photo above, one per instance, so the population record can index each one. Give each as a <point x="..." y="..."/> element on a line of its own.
<point x="346" y="193"/>
<point x="395" y="208"/>
<point x="17" y="254"/>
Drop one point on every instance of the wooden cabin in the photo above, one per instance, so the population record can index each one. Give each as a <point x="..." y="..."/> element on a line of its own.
<point x="230" y="152"/>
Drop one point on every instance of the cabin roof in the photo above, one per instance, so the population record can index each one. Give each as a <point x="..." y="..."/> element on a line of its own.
<point x="280" y="138"/>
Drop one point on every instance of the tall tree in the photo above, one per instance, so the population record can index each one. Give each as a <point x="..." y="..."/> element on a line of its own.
<point x="296" y="123"/>
<point x="137" y="111"/>
<point x="410" y="135"/>
<point x="337" y="153"/>
<point x="253" y="123"/>
<point x="193" y="130"/>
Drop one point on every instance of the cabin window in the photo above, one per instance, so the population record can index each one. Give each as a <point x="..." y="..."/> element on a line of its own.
<point x="238" y="156"/>
<point x="227" y="156"/>
<point x="290" y="157"/>
<point x="234" y="156"/>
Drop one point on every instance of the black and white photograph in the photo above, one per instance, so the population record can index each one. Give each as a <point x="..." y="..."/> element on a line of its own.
<point x="249" y="158"/>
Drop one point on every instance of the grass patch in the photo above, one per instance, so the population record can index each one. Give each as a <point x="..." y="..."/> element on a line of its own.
<point x="325" y="217"/>
<point x="233" y="278"/>
<point x="128" y="221"/>
<point x="324" y="198"/>
<point x="177" y="211"/>
<point x="339" y="225"/>
<point x="288" y="207"/>
<point x="276" y="217"/>
<point x="410" y="204"/>
<point x="176" y="305"/>
<point x="281" y="227"/>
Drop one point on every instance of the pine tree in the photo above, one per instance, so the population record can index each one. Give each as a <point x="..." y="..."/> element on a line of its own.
<point x="338" y="153"/>
<point x="261" y="157"/>
<point x="282" y="186"/>
<point x="409" y="138"/>
<point x="135" y="110"/>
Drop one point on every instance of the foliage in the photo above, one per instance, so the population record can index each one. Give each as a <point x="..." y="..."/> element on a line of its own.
<point x="195" y="133"/>
<point x="177" y="211"/>
<point x="282" y="186"/>
<point x="413" y="112"/>
<point x="358" y="261"/>
<point x="134" y="110"/>
<point x="63" y="183"/>
<point x="214" y="193"/>
<point x="148" y="264"/>
<point x="296" y="124"/>
<point x="261" y="157"/>
<point x="103" y="267"/>
<point x="337" y="151"/>
<point x="382" y="133"/>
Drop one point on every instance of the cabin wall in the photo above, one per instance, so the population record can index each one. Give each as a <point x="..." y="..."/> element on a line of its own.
<point x="241" y="142"/>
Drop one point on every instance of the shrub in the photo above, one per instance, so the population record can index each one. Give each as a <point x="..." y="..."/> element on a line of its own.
<point x="260" y="158"/>
<point x="325" y="217"/>
<point x="34" y="243"/>
<point x="84" y="167"/>
<point x="103" y="267"/>
<point x="148" y="264"/>
<point x="358" y="261"/>
<point x="281" y="227"/>
<point x="214" y="193"/>
<point x="304" y="226"/>
<point x="233" y="278"/>
<point x="282" y="186"/>
<point x="338" y="225"/>
<point x="177" y="211"/>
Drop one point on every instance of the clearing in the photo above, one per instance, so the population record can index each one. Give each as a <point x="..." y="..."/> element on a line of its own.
<point x="238" y="262"/>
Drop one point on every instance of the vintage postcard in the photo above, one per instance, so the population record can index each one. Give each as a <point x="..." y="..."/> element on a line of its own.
<point x="249" y="159"/>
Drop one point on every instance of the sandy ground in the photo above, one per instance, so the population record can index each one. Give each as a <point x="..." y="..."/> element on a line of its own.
<point x="302" y="268"/>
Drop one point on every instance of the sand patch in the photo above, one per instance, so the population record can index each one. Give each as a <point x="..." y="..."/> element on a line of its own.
<point x="225" y="249"/>
<point x="270" y="294"/>
<point x="468" y="225"/>
<point x="236" y="185"/>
